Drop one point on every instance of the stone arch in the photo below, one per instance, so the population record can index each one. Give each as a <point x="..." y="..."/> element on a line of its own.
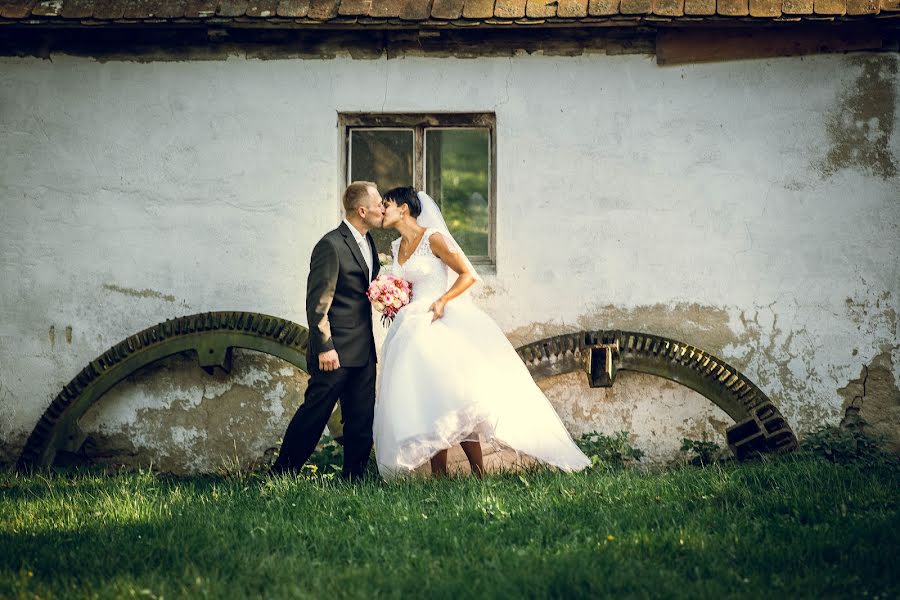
<point x="212" y="336"/>
<point x="759" y="426"/>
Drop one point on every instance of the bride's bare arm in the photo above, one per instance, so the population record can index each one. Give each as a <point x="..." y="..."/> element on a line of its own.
<point x="453" y="260"/>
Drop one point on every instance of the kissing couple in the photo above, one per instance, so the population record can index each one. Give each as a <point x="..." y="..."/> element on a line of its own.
<point x="449" y="375"/>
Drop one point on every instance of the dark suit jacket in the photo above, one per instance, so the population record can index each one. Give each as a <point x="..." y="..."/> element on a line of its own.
<point x="337" y="308"/>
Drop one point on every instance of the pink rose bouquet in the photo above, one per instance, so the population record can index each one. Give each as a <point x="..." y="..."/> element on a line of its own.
<point x="388" y="294"/>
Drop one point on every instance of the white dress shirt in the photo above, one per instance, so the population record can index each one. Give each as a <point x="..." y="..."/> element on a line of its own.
<point x="363" y="244"/>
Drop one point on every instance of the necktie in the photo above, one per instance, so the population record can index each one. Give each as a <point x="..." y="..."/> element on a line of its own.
<point x="367" y="255"/>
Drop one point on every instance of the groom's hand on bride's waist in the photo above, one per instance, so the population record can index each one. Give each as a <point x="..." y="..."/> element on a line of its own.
<point x="329" y="361"/>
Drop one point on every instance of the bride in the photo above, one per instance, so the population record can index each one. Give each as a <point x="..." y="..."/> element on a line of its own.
<point x="449" y="375"/>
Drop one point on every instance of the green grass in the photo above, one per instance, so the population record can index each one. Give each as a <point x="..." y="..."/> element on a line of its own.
<point x="795" y="527"/>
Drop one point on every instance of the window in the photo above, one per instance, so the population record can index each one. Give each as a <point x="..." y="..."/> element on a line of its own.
<point x="450" y="156"/>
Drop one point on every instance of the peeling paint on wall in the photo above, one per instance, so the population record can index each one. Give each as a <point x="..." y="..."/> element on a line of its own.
<point x="182" y="420"/>
<point x="769" y="343"/>
<point x="877" y="396"/>
<point x="862" y="123"/>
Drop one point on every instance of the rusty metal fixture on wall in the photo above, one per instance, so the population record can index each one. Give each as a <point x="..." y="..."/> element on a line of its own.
<point x="759" y="426"/>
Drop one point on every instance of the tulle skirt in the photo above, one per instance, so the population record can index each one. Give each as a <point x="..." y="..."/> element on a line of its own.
<point x="459" y="379"/>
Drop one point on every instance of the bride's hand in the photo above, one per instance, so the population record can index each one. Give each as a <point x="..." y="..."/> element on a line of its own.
<point x="437" y="308"/>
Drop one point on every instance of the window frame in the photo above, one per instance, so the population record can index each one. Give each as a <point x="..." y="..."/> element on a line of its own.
<point x="418" y="123"/>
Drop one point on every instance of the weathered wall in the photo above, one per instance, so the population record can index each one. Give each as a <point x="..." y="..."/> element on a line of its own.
<point x="750" y="208"/>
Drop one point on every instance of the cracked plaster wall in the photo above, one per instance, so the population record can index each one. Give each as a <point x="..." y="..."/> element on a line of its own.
<point x="750" y="208"/>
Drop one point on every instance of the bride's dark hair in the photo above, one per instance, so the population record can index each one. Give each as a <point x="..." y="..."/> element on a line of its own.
<point x="407" y="196"/>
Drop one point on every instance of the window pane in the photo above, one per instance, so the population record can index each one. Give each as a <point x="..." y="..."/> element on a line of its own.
<point x="457" y="166"/>
<point x="384" y="156"/>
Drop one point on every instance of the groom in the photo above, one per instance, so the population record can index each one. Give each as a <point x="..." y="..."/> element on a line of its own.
<point x="341" y="354"/>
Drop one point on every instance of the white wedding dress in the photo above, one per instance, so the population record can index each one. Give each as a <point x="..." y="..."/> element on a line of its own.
<point x="456" y="379"/>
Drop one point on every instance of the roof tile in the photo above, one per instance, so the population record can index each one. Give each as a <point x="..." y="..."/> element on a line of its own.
<point x="540" y="9"/>
<point x="765" y="8"/>
<point x="635" y="7"/>
<point x="443" y="13"/>
<point x="171" y="9"/>
<point x="47" y="8"/>
<point x="262" y="8"/>
<point x="830" y="7"/>
<point x="385" y="9"/>
<point x="732" y="8"/>
<point x="668" y="8"/>
<point x="322" y="10"/>
<point x="478" y="9"/>
<point x="862" y="7"/>
<point x="231" y="8"/>
<point x="416" y="10"/>
<point x="201" y="9"/>
<point x="135" y="9"/>
<point x="602" y="8"/>
<point x="292" y="8"/>
<point x="510" y="9"/>
<point x="447" y="9"/>
<point x="700" y="7"/>
<point x="797" y="7"/>
<point x="354" y="7"/>
<point x="572" y="8"/>
<point x="109" y="9"/>
<point x="16" y="9"/>
<point x="77" y="9"/>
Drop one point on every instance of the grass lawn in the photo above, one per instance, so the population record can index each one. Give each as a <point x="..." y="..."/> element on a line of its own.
<point x="795" y="527"/>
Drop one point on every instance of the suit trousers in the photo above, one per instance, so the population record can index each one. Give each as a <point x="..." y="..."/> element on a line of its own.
<point x="355" y="388"/>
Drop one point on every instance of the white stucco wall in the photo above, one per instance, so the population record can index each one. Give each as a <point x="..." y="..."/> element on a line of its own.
<point x="710" y="203"/>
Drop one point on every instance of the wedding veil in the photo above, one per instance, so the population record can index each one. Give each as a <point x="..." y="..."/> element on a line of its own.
<point x="431" y="217"/>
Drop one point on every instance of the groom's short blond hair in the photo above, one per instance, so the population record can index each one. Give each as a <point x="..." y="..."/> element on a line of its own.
<point x="355" y="194"/>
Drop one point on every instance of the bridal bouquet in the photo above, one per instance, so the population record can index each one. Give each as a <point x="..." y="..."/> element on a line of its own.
<point x="388" y="294"/>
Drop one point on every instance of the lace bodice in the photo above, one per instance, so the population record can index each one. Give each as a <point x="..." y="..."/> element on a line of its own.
<point x="426" y="272"/>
